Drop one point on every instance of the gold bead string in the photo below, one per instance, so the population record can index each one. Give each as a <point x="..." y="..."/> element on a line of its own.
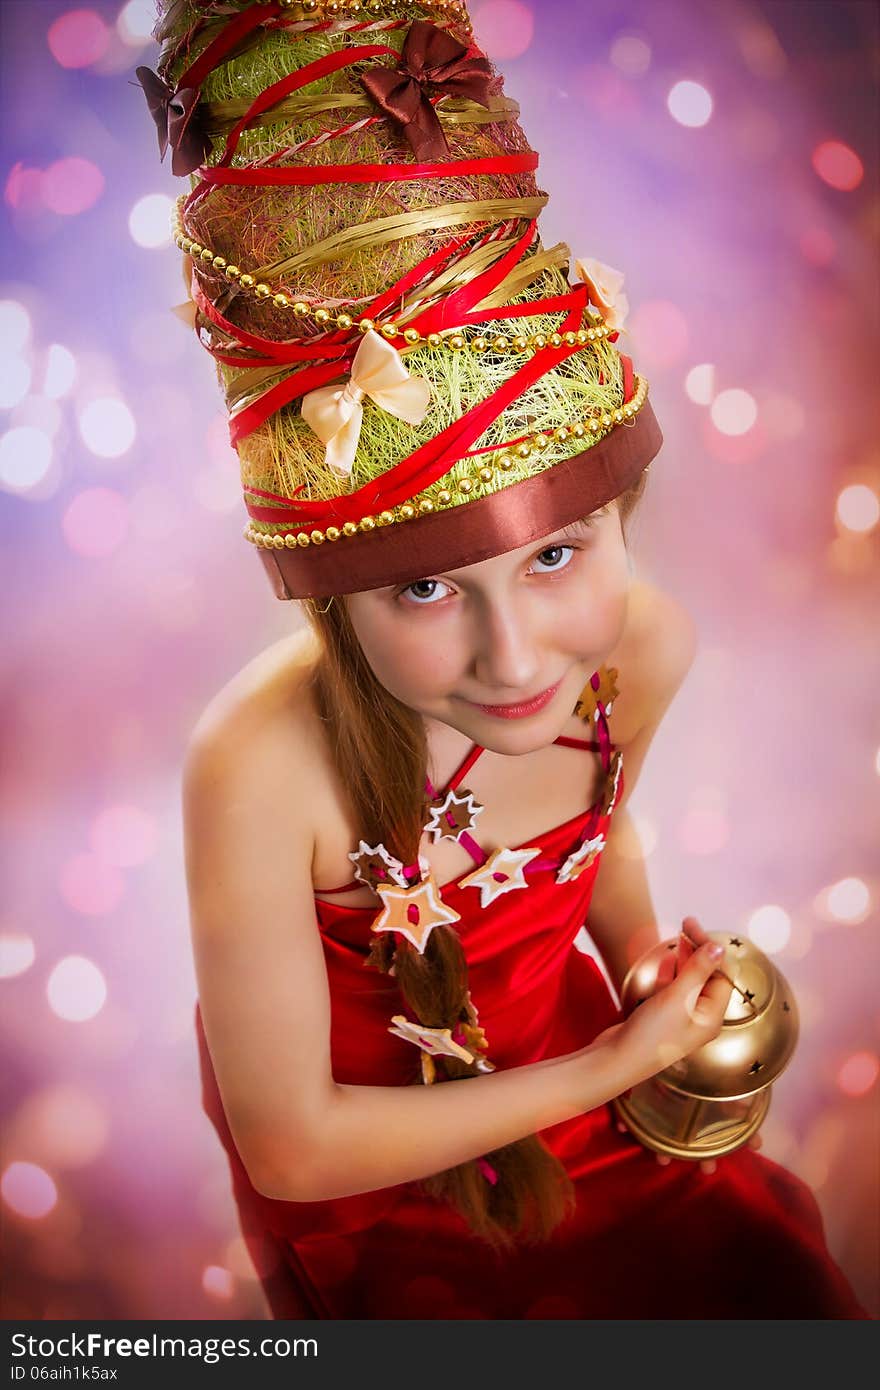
<point x="332" y="318"/>
<point x="320" y="11"/>
<point x="486" y="474"/>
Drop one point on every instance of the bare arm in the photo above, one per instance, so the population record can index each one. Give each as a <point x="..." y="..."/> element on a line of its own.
<point x="376" y="1136"/>
<point x="264" y="1000"/>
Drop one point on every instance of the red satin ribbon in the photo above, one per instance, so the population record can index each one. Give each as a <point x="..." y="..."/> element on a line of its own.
<point x="368" y="173"/>
<point x="230" y="35"/>
<point x="455" y="309"/>
<point x="433" y="459"/>
<point x="250" y="417"/>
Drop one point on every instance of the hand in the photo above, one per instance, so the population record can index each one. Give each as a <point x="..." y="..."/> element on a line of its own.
<point x="678" y="1018"/>
<point x="691" y="939"/>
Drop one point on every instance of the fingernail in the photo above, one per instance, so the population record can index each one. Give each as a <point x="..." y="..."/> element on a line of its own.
<point x="716" y="950"/>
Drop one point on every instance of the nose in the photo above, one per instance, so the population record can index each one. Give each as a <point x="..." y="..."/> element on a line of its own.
<point x="506" y="657"/>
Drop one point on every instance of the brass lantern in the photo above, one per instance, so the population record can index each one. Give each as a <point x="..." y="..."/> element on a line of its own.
<point x="711" y="1102"/>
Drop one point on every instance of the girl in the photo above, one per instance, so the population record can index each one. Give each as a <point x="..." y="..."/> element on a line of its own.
<point x="395" y="819"/>
<point x="327" y="1143"/>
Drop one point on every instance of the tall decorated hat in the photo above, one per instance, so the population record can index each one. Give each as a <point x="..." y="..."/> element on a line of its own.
<point x="414" y="381"/>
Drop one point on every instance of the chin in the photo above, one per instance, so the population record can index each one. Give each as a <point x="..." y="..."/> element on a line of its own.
<point x="517" y="741"/>
<point x="513" y="737"/>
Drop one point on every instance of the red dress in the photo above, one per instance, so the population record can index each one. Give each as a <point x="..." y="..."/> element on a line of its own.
<point x="645" y="1241"/>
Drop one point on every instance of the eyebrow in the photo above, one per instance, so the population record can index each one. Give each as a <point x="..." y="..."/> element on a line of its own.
<point x="573" y="528"/>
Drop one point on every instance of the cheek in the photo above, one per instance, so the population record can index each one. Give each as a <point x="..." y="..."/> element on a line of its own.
<point x="405" y="657"/>
<point x="595" y="615"/>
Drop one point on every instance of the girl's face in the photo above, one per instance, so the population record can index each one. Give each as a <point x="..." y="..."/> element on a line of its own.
<point x="499" y="633"/>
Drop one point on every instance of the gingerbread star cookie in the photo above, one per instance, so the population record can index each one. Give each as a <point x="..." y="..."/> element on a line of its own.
<point x="590" y="699"/>
<point x="453" y="814"/>
<point x="502" y="872"/>
<point x="374" y="866"/>
<point x="414" y="912"/>
<point x="437" y="1042"/>
<point x="580" y="859"/>
<point x="612" y="784"/>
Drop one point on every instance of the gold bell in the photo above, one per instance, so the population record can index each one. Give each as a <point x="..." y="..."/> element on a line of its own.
<point x="712" y="1101"/>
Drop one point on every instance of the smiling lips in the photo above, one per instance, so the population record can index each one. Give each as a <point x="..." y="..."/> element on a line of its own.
<point x="523" y="708"/>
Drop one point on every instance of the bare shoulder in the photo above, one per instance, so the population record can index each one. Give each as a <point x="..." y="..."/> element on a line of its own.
<point x="248" y="818"/>
<point x="260" y="735"/>
<point x="269" y="698"/>
<point x="654" y="654"/>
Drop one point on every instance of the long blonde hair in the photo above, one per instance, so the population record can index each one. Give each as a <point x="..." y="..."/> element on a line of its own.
<point x="379" y="750"/>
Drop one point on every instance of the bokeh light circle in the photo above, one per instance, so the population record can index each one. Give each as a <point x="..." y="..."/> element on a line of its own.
<point x="23" y="189"/>
<point x="699" y="384"/>
<point x="506" y="27"/>
<point x="858" y="507"/>
<point x="858" y="1073"/>
<point x="63" y="1124"/>
<point x="71" y="186"/>
<point x="849" y="900"/>
<point x="60" y="372"/>
<point x="838" y="165"/>
<point x="150" y="220"/>
<point x="28" y="1190"/>
<point x="15" y="327"/>
<point x="690" y="104"/>
<point x="734" y="411"/>
<point x="218" y="1281"/>
<point x="91" y="886"/>
<point x="78" y="38"/>
<point x="15" y="382"/>
<point x="16" y="954"/>
<point x="96" y="522"/>
<point x="25" y="458"/>
<point x="76" y="989"/>
<point x="135" y="22"/>
<point x="631" y="55"/>
<point x="107" y="427"/>
<point x="770" y="928"/>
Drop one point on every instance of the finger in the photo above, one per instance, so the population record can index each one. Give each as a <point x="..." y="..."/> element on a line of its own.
<point x="708" y="1165"/>
<point x="705" y="991"/>
<point x="620" y="1126"/>
<point x="693" y="933"/>
<point x="664" y="1160"/>
<point x="755" y="1142"/>
<point x="690" y="939"/>
<point x="711" y="1003"/>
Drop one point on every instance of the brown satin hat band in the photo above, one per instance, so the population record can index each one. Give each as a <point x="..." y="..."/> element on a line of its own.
<point x="474" y="531"/>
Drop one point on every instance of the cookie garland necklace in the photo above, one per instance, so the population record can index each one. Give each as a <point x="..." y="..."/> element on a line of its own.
<point x="411" y="903"/>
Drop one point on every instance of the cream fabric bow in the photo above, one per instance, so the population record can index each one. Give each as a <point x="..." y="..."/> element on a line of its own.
<point x="335" y="413"/>
<point x="606" y="290"/>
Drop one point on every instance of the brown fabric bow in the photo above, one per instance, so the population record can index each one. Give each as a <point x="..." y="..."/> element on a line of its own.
<point x="430" y="56"/>
<point x="176" y="122"/>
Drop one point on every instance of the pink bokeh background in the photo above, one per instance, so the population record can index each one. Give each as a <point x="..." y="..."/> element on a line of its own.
<point x="725" y="157"/>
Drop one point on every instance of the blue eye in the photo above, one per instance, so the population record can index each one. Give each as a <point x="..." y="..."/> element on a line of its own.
<point x="422" y="599"/>
<point x="557" y="552"/>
